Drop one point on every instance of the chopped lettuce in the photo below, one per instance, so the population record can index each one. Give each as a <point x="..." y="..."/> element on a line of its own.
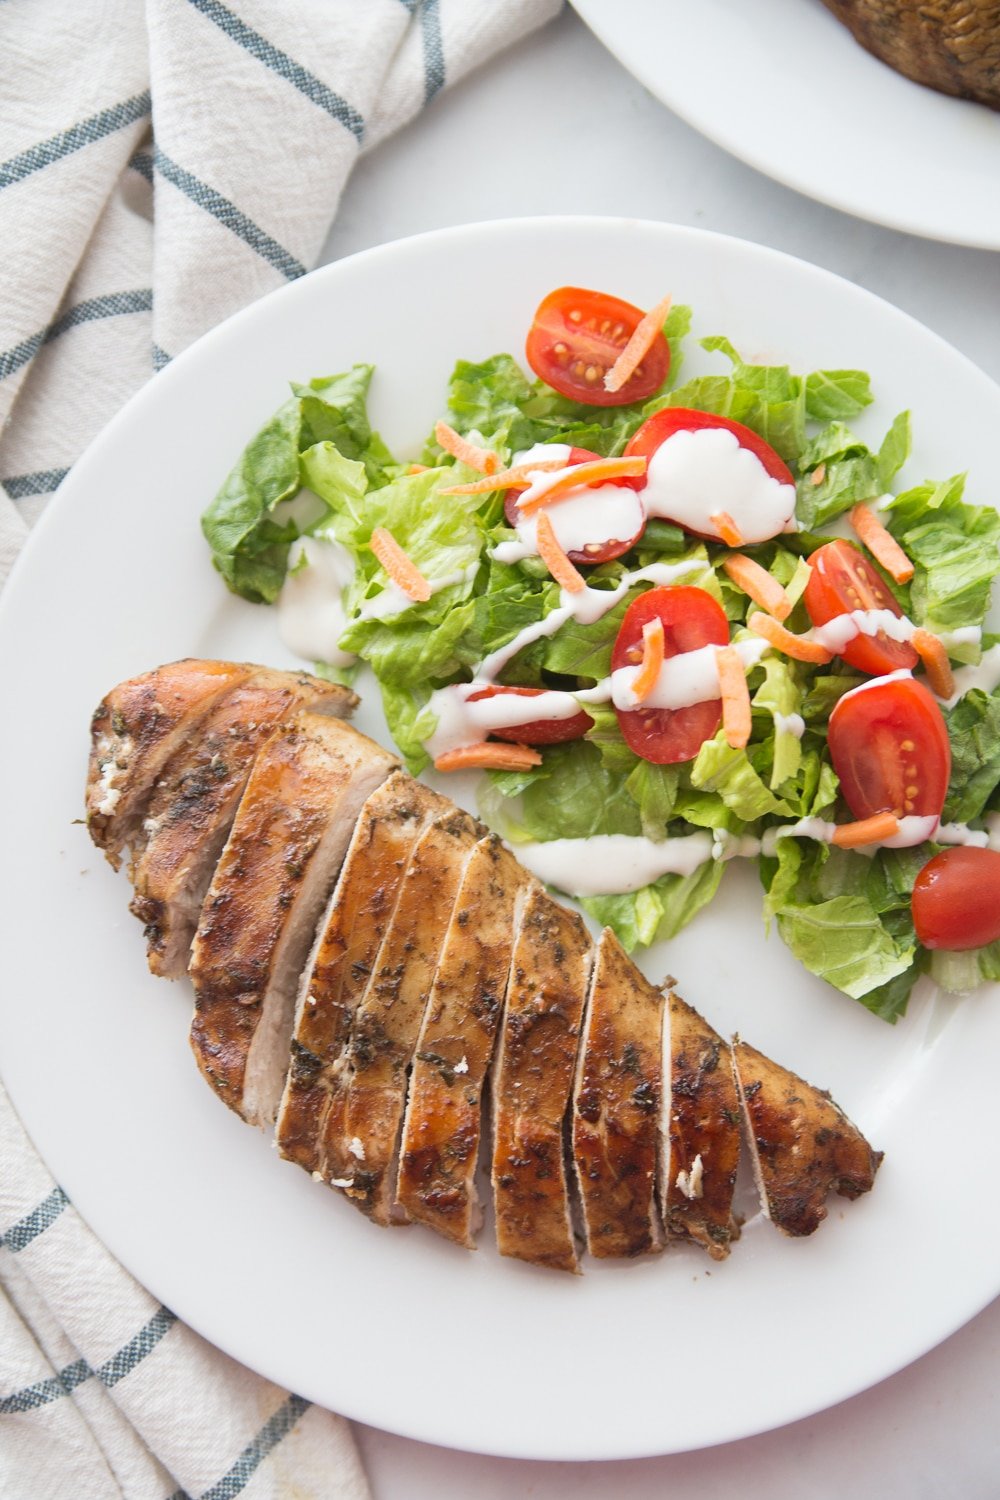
<point x="317" y="468"/>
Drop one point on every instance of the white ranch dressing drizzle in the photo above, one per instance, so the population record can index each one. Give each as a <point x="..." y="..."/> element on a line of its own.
<point x="311" y="617"/>
<point x="688" y="678"/>
<point x="985" y="676"/>
<point x="460" y="722"/>
<point x="788" y="724"/>
<point x="583" y="520"/>
<point x="695" y="474"/>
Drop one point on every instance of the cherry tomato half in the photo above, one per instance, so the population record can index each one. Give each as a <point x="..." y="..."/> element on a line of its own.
<point x="596" y="552"/>
<point x="538" y="731"/>
<point x="956" y="899"/>
<point x="663" y="424"/>
<point x="843" y="579"/>
<point x="575" y="338"/>
<point x="691" y="619"/>
<point x="889" y="746"/>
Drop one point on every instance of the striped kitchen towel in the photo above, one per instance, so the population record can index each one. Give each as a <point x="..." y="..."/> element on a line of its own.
<point x="161" y="166"/>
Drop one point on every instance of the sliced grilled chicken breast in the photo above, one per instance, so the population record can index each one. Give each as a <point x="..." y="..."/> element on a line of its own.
<point x="532" y="1082"/>
<point x="188" y="819"/>
<point x="616" y="1106"/>
<point x="339" y="970"/>
<point x="134" y="732"/>
<point x="442" y="1127"/>
<point x="700" y="1149"/>
<point x="803" y="1145"/>
<point x="388" y="1021"/>
<point x="272" y="882"/>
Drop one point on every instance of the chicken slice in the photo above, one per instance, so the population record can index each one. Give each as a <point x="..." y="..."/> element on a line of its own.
<point x="339" y="970"/>
<point x="442" y="1127"/>
<point x="134" y="732"/>
<point x="273" y="880"/>
<point x="802" y="1143"/>
<point x="700" y="1149"/>
<point x="532" y="1082"/>
<point x="195" y="801"/>
<point x="388" y="1021"/>
<point x="616" y="1106"/>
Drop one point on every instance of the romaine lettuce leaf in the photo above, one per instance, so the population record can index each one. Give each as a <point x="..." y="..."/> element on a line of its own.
<point x="249" y="541"/>
<point x="974" y="731"/>
<point x="956" y="550"/>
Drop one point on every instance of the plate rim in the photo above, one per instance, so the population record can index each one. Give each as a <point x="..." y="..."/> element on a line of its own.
<point x="595" y="14"/>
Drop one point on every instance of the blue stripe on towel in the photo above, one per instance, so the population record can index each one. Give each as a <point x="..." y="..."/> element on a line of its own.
<point x="135" y="1351"/>
<point x="45" y="1391"/>
<point x="111" y="305"/>
<point x="21" y="486"/>
<point x="67" y="141"/>
<point x="32" y="1225"/>
<point x="279" y="62"/>
<point x="42" y="1392"/>
<point x="430" y="31"/>
<point x="228" y="214"/>
<point x="253" y="1455"/>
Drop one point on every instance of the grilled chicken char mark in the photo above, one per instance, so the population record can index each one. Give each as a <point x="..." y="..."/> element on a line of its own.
<point x="616" y="1106"/>
<point x="192" y="809"/>
<point x="339" y="971"/>
<point x="272" y="882"/>
<point x="134" y="732"/>
<point x="388" y="1021"/>
<point x="700" y="1146"/>
<point x="532" y="1082"/>
<point x="442" y="1128"/>
<point x="803" y="1145"/>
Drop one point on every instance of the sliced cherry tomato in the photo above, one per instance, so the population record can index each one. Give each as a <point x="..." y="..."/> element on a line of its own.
<point x="889" y="747"/>
<point x="663" y="424"/>
<point x="956" y="899"/>
<point x="575" y="338"/>
<point x="595" y="552"/>
<point x="538" y="731"/>
<point x="843" y="579"/>
<point x="691" y="619"/>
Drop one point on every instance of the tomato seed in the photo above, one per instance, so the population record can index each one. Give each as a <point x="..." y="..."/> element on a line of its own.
<point x="576" y="316"/>
<point x="591" y="373"/>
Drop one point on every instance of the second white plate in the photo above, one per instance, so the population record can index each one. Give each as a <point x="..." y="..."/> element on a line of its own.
<point x="785" y="87"/>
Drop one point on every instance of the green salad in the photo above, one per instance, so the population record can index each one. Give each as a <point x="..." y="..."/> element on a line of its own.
<point x="661" y="769"/>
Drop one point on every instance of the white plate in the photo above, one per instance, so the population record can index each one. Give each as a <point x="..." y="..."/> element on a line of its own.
<point x="785" y="87"/>
<point x="397" y="1328"/>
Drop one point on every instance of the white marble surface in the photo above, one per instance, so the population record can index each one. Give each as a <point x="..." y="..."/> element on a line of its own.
<point x="557" y="126"/>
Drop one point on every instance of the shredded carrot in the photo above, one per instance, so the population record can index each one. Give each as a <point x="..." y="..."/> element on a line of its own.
<point x="404" y="573"/>
<point x="488" y="755"/>
<point x="416" y="468"/>
<point x="818" y="475"/>
<point x="881" y="544"/>
<point x="735" y="697"/>
<point x="483" y="459"/>
<point x="579" y="475"/>
<point x="518" y="478"/>
<point x="727" y="528"/>
<point x="936" y="663"/>
<point x="783" y="640"/>
<point x="868" y="831"/>
<point x="647" y="330"/>
<point x="652" y="659"/>
<point x="759" y="584"/>
<point x="555" y="559"/>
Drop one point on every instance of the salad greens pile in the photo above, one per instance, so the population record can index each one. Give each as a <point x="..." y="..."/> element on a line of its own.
<point x="317" y="468"/>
